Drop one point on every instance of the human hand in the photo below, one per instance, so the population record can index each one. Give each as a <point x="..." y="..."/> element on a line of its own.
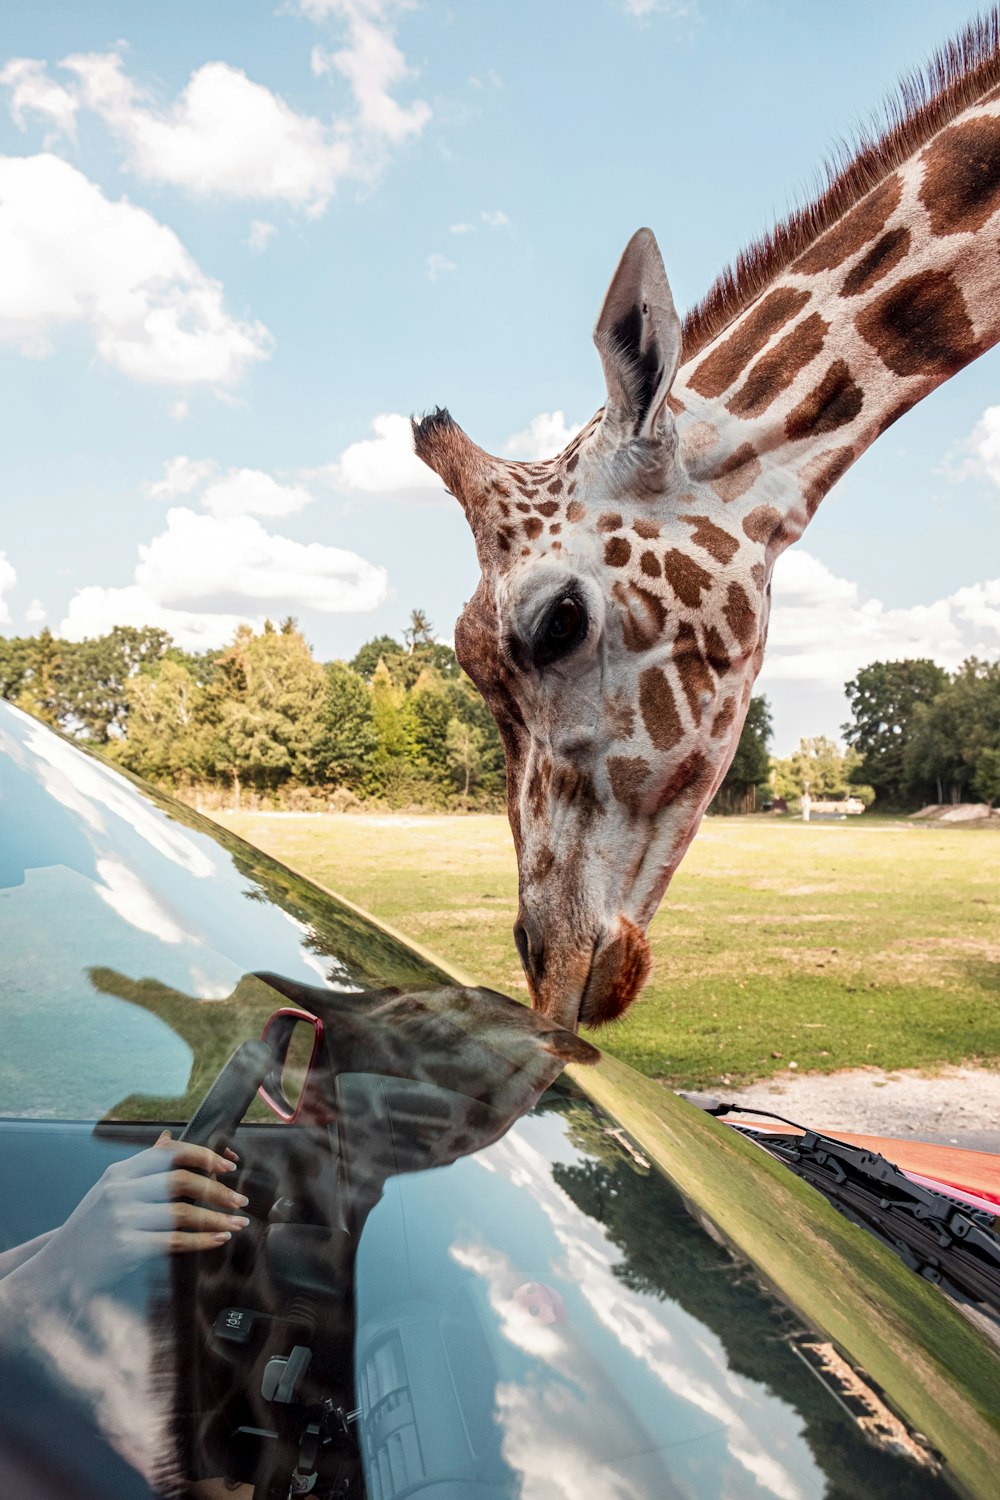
<point x="155" y="1203"/>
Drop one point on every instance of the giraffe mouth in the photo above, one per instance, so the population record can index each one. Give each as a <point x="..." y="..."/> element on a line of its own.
<point x="618" y="970"/>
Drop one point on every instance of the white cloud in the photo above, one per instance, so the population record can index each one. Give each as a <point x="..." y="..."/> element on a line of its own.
<point x="237" y="492"/>
<point x="204" y="574"/>
<point x="496" y="219"/>
<point x="439" y="265"/>
<point x="35" y="612"/>
<point x="182" y="475"/>
<point x="461" y="228"/>
<point x="675" y="10"/>
<point x="70" y="255"/>
<point x="982" y="449"/>
<point x="8" y="578"/>
<point x="95" y="610"/>
<point x="33" y="92"/>
<point x="260" y="233"/>
<point x="179" y="410"/>
<point x="544" y="437"/>
<point x="250" y="492"/>
<point x="383" y="463"/>
<point x="823" y="630"/>
<point x="225" y="134"/>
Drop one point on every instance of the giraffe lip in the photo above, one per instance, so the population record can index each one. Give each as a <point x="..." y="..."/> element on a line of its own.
<point x="618" y="970"/>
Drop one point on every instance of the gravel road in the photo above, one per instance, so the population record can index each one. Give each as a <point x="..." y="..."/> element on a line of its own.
<point x="956" y="1107"/>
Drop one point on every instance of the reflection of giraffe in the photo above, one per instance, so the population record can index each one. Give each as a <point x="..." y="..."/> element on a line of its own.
<point x="621" y="617"/>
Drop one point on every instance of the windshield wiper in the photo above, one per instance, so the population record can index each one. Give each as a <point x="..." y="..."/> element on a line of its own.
<point x="945" y="1241"/>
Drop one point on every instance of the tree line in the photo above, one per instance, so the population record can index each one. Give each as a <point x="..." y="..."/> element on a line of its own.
<point x="262" y="721"/>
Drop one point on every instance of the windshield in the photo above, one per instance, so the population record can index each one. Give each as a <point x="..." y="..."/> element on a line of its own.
<point x="131" y="931"/>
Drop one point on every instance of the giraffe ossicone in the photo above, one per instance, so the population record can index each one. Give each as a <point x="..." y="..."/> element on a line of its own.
<point x="621" y="616"/>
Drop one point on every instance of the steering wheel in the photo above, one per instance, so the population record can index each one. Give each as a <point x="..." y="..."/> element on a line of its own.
<point x="213" y="1124"/>
<point x="228" y="1098"/>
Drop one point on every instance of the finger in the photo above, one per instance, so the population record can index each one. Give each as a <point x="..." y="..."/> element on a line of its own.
<point x="233" y="1155"/>
<point x="181" y="1183"/>
<point x="176" y="1242"/>
<point x="167" y="1152"/>
<point x="190" y="1218"/>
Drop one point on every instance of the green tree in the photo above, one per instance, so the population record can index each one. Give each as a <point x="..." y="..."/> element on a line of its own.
<point x="272" y="719"/>
<point x="953" y="732"/>
<point x="464" y="747"/>
<point x="15" y="664"/>
<point x="885" y="700"/>
<point x="986" y="783"/>
<point x="431" y="712"/>
<point x="381" y="648"/>
<point x="93" y="675"/>
<point x="347" y="739"/>
<point x="170" y="737"/>
<point x="816" y="767"/>
<point x="750" y="764"/>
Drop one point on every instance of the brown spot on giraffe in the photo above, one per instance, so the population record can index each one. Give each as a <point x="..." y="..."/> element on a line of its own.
<point x="538" y="787"/>
<point x="886" y="253"/>
<point x="687" y="578"/>
<point x="610" y="520"/>
<point x="692" y="777"/>
<point x="619" y="715"/>
<point x="650" y="565"/>
<point x="724" y="718"/>
<point x="642" y="615"/>
<point x="541" y="865"/>
<point x="659" y="710"/>
<point x="719" y="369"/>
<point x="920" y="326"/>
<point x="617" y="552"/>
<point x="555" y="528"/>
<point x="757" y="574"/>
<point x="764" y="524"/>
<point x="547" y="507"/>
<point x="692" y="669"/>
<point x="532" y="527"/>
<point x="740" y="616"/>
<point x="575" y="511"/>
<point x="716" y="652"/>
<point x="555" y="488"/>
<point x="821" y="473"/>
<point x="575" y="787"/>
<point x="648" y="530"/>
<point x="572" y="463"/>
<point x="721" y="545"/>
<point x="961" y="185"/>
<point x="833" y="403"/>
<point x="776" y="370"/>
<point x="627" y="775"/>
<point x="523" y="508"/>
<point x="737" y="474"/>
<point x="855" y="230"/>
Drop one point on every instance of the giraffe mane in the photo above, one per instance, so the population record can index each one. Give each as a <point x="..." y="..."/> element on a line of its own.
<point x="925" y="101"/>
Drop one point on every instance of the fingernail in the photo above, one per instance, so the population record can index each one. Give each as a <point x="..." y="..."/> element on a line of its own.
<point x="241" y="1222"/>
<point x="227" y="1166"/>
<point x="220" y="1239"/>
<point x="239" y="1200"/>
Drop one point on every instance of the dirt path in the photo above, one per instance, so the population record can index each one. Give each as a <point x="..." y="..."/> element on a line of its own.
<point x="956" y="1107"/>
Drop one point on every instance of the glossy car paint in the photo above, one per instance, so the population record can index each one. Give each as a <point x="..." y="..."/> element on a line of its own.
<point x="523" y="1268"/>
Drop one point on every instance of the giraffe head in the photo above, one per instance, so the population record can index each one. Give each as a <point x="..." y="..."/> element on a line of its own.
<point x="615" y="634"/>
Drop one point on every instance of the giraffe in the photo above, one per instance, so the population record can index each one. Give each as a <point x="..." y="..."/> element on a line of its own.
<point x="621" y="616"/>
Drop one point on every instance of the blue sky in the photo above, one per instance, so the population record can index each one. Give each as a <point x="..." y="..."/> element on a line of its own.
<point x="242" y="241"/>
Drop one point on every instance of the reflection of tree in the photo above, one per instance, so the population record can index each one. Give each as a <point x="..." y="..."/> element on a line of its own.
<point x="667" y="1255"/>
<point x="211" y="1028"/>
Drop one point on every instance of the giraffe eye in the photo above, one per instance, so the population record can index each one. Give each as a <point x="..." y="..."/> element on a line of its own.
<point x="563" y="628"/>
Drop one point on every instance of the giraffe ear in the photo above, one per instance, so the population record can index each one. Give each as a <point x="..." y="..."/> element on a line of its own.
<point x="444" y="447"/>
<point x="638" y="336"/>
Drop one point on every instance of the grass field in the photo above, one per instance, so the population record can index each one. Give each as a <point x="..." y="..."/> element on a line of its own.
<point x="827" y="945"/>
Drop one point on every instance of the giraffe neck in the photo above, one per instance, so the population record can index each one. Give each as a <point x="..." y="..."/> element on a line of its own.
<point x="898" y="294"/>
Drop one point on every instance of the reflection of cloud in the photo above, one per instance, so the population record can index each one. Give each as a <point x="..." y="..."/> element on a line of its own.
<point x="84" y="785"/>
<point x="684" y="1358"/>
<point x="126" y="894"/>
<point x="106" y="1355"/>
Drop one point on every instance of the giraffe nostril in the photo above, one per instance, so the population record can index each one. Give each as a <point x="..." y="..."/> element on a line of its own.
<point x="531" y="950"/>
